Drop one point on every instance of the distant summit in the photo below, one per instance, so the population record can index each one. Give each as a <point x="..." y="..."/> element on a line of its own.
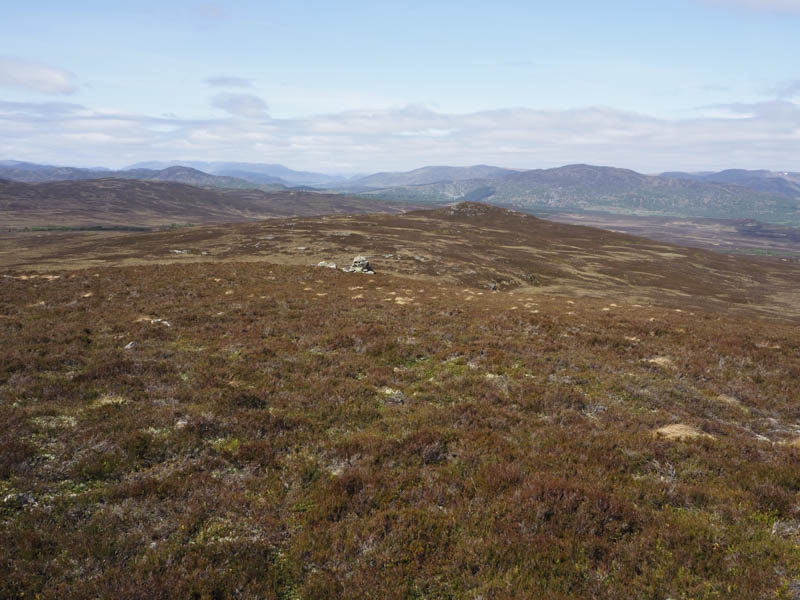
<point x="582" y="187"/>
<point x="427" y="175"/>
<point x="35" y="173"/>
<point x="253" y="172"/>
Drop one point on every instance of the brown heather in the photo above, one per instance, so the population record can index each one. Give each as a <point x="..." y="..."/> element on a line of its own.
<point x="282" y="431"/>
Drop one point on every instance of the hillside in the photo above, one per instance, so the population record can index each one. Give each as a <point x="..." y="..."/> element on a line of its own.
<point x="33" y="173"/>
<point x="187" y="175"/>
<point x="252" y="177"/>
<point x="471" y="245"/>
<point x="249" y="171"/>
<point x="121" y="202"/>
<point x="427" y="175"/>
<point x="618" y="420"/>
<point x="607" y="189"/>
<point x="787" y="184"/>
<point x="731" y="236"/>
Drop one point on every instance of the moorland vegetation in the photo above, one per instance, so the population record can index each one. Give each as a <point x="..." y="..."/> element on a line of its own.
<point x="242" y="424"/>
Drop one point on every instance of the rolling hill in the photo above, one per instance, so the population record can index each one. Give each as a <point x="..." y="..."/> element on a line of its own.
<point x="190" y="176"/>
<point x="606" y="189"/>
<point x="34" y="173"/>
<point x="474" y="245"/>
<point x="250" y="171"/>
<point x="771" y="182"/>
<point x="124" y="202"/>
<point x="427" y="175"/>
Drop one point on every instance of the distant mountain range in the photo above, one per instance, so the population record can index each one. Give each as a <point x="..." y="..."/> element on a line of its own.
<point x="587" y="188"/>
<point x="34" y="173"/>
<point x="771" y="182"/>
<point x="773" y="197"/>
<point x="253" y="172"/>
<point x="427" y="175"/>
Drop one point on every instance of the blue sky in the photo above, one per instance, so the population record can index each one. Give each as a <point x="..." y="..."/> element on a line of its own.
<point x="362" y="86"/>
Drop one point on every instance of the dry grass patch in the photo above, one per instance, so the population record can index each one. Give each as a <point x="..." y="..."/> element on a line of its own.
<point x="681" y="432"/>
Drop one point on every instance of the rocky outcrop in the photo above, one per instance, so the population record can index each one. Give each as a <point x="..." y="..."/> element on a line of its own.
<point x="360" y="265"/>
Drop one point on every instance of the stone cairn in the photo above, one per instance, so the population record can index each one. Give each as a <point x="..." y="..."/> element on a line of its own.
<point x="360" y="265"/>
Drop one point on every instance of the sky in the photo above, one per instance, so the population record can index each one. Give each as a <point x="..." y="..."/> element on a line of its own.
<point x="355" y="87"/>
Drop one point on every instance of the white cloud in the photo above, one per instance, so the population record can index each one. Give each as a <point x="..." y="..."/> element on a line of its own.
<point x="787" y="89"/>
<point x="248" y="106"/>
<point x="758" y="135"/>
<point x="35" y="76"/>
<point x="224" y="81"/>
<point x="791" y="6"/>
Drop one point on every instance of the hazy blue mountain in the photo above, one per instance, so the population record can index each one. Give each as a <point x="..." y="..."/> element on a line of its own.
<point x="188" y="175"/>
<point x="17" y="170"/>
<point x="251" y="176"/>
<point x="427" y="175"/>
<point x="33" y="173"/>
<point x="606" y="189"/>
<point x="284" y="174"/>
<point x="772" y="182"/>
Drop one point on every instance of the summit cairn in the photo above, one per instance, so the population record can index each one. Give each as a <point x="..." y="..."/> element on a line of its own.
<point x="360" y="265"/>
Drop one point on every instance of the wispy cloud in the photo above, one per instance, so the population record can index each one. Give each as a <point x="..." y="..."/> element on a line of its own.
<point x="35" y="76"/>
<point x="787" y="89"/>
<point x="747" y="135"/>
<point x="210" y="11"/>
<point x="228" y="82"/>
<point x="790" y="6"/>
<point x="248" y="106"/>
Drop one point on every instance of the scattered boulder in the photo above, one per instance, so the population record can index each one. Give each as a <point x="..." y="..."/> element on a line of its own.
<point x="18" y="501"/>
<point x="360" y="265"/>
<point x="325" y="263"/>
<point x="786" y="528"/>
<point x="393" y="396"/>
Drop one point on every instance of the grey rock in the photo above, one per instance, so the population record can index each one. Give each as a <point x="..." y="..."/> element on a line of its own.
<point x="20" y="500"/>
<point x="130" y="345"/>
<point x="393" y="396"/>
<point x="324" y="263"/>
<point x="360" y="265"/>
<point x="786" y="528"/>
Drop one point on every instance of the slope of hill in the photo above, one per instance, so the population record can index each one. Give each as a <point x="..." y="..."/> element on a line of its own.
<point x="286" y="174"/>
<point x="427" y="175"/>
<point x="252" y="177"/>
<point x="190" y="176"/>
<point x="241" y="428"/>
<point x="33" y="173"/>
<point x="730" y="236"/>
<point x="787" y="184"/>
<point x="587" y="187"/>
<point x="472" y="245"/>
<point x="122" y="202"/>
